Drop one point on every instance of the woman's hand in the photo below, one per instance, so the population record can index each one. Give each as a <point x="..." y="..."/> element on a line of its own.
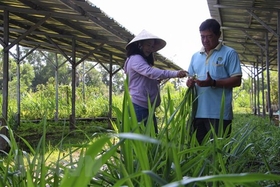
<point x="182" y="73"/>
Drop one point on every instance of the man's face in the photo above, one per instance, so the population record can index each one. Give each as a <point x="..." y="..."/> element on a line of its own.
<point x="209" y="40"/>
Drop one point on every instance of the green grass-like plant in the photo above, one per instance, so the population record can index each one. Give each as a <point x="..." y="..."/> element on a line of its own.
<point x="133" y="155"/>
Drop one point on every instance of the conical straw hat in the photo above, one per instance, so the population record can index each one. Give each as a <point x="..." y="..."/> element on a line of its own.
<point x="145" y="35"/>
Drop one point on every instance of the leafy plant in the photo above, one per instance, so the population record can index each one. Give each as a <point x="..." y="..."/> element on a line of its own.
<point x="133" y="155"/>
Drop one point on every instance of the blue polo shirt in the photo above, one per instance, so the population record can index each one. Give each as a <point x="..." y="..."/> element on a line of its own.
<point x="222" y="62"/>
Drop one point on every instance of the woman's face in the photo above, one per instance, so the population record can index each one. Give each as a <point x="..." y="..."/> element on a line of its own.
<point x="148" y="47"/>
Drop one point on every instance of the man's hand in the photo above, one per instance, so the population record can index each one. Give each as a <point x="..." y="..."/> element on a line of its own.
<point x="205" y="83"/>
<point x="190" y="82"/>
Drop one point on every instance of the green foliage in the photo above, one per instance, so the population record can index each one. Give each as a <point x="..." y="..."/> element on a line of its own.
<point x="174" y="158"/>
<point x="274" y="87"/>
<point x="35" y="168"/>
<point x="249" y="86"/>
<point x="133" y="155"/>
<point x="39" y="66"/>
<point x="38" y="72"/>
<point x="242" y="102"/>
<point x="91" y="102"/>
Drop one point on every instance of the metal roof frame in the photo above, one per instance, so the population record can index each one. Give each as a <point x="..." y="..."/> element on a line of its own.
<point x="73" y="28"/>
<point x="54" y="24"/>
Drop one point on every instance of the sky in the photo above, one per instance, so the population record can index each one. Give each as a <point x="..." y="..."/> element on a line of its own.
<point x="177" y="22"/>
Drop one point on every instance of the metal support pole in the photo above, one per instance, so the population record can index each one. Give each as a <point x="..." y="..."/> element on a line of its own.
<point x="263" y="93"/>
<point x="255" y="90"/>
<point x="56" y="89"/>
<point x="3" y="120"/>
<point x="110" y="91"/>
<point x="5" y="67"/>
<point x="83" y="77"/>
<point x="278" y="62"/>
<point x="73" y="62"/>
<point x="268" y="76"/>
<point x="18" y="87"/>
<point x="258" y="89"/>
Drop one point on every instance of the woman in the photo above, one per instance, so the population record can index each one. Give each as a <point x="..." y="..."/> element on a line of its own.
<point x="143" y="78"/>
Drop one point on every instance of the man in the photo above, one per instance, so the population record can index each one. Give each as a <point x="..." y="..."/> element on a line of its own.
<point x="214" y="71"/>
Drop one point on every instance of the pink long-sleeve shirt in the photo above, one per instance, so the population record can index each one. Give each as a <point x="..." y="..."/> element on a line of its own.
<point x="144" y="80"/>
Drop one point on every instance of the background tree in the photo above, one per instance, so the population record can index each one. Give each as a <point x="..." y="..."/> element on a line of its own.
<point x="92" y="77"/>
<point x="26" y="76"/>
<point x="37" y="60"/>
<point x="274" y="87"/>
<point x="118" y="78"/>
<point x="118" y="82"/>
